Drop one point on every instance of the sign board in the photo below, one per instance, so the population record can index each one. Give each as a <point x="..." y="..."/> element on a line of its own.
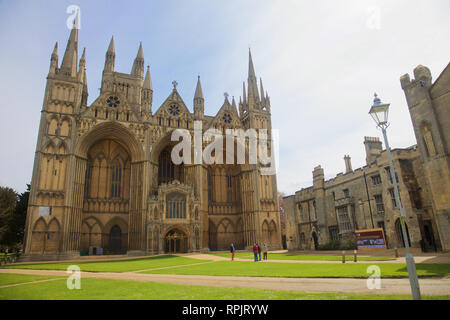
<point x="44" y="211"/>
<point x="370" y="239"/>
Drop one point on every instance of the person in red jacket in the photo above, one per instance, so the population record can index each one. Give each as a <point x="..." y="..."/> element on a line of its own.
<point x="255" y="252"/>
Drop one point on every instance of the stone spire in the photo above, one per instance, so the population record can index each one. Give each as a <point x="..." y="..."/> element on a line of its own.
<point x="110" y="57"/>
<point x="262" y="91"/>
<point x="54" y="60"/>
<point x="198" y="90"/>
<point x="82" y="65"/>
<point x="138" y="65"/>
<point x="148" y="80"/>
<point x="253" y="95"/>
<point x="199" y="101"/>
<point x="83" y="60"/>
<point x="233" y="105"/>
<point x="244" y="95"/>
<point x="70" y="60"/>
<point x="147" y="92"/>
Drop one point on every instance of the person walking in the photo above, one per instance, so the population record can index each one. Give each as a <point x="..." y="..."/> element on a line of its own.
<point x="232" y="250"/>
<point x="259" y="251"/>
<point x="255" y="252"/>
<point x="265" y="250"/>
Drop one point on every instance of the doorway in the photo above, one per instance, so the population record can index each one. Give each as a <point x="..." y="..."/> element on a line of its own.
<point x="115" y="240"/>
<point x="176" y="242"/>
<point x="316" y="241"/>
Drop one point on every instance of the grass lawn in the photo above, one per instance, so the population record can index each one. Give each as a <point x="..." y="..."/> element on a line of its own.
<point x="288" y="256"/>
<point x="103" y="289"/>
<point x="6" y="279"/>
<point x="113" y="266"/>
<point x="305" y="270"/>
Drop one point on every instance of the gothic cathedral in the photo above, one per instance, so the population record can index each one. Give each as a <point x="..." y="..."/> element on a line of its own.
<point x="103" y="180"/>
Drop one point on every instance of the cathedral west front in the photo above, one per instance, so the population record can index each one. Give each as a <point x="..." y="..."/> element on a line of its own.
<point x="104" y="181"/>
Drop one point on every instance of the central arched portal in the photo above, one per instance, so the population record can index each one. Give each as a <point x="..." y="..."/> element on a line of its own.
<point x="176" y="241"/>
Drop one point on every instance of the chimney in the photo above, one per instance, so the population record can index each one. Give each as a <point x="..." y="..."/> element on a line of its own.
<point x="373" y="147"/>
<point x="348" y="164"/>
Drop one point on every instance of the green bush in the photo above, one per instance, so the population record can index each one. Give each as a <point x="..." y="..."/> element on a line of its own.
<point x="331" y="245"/>
<point x="338" y="245"/>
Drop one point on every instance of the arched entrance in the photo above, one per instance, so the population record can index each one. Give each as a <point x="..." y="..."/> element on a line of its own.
<point x="399" y="231"/>
<point x="176" y="241"/>
<point x="115" y="239"/>
<point x="315" y="240"/>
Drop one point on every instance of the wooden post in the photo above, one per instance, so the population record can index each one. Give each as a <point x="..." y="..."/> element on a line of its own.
<point x="355" y="253"/>
<point x="343" y="256"/>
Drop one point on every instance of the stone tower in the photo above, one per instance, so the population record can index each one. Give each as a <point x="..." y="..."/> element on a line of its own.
<point x="428" y="105"/>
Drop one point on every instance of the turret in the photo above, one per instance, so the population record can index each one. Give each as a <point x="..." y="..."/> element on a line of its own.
<point x="147" y="92"/>
<point x="82" y="66"/>
<point x="110" y="57"/>
<point x="54" y="60"/>
<point x="138" y="65"/>
<point x="199" y="101"/>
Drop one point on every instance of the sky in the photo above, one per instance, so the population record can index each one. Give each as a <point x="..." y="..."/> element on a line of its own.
<point x="320" y="61"/>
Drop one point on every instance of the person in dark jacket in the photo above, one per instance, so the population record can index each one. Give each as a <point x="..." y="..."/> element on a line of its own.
<point x="232" y="250"/>
<point x="259" y="251"/>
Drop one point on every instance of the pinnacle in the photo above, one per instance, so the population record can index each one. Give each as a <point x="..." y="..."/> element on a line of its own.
<point x="111" y="45"/>
<point x="198" y="90"/>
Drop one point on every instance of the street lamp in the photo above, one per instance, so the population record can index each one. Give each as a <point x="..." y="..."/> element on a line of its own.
<point x="379" y="113"/>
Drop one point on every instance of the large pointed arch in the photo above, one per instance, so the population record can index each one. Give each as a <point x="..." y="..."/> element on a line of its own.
<point x="111" y="130"/>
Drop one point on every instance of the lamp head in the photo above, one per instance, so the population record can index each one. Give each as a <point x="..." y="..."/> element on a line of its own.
<point x="379" y="111"/>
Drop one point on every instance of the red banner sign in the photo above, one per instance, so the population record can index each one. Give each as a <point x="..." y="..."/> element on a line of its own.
<point x="370" y="239"/>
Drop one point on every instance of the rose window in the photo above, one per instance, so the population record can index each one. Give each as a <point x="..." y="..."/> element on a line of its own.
<point x="113" y="101"/>
<point x="174" y="110"/>
<point x="227" y="118"/>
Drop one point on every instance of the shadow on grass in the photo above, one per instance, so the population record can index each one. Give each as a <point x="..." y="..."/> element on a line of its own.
<point x="425" y="270"/>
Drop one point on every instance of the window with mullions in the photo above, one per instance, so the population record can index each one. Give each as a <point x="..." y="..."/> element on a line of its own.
<point x="229" y="189"/>
<point x="175" y="206"/>
<point x="388" y="172"/>
<point x="379" y="203"/>
<point x="393" y="200"/>
<point x="344" y="219"/>
<point x="116" y="180"/>
<point x="376" y="180"/>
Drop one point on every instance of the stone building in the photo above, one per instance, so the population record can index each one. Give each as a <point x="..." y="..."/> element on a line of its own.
<point x="364" y="199"/>
<point x="103" y="175"/>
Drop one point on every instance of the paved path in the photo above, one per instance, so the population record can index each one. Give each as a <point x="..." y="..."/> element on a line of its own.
<point x="428" y="259"/>
<point x="310" y="285"/>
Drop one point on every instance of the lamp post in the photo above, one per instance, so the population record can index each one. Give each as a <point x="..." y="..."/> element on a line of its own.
<point x="379" y="113"/>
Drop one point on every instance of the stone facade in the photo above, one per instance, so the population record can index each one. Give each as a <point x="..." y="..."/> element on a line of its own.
<point x="103" y="176"/>
<point x="364" y="198"/>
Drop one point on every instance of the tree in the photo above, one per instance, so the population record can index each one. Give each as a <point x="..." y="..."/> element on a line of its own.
<point x="8" y="198"/>
<point x="15" y="233"/>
